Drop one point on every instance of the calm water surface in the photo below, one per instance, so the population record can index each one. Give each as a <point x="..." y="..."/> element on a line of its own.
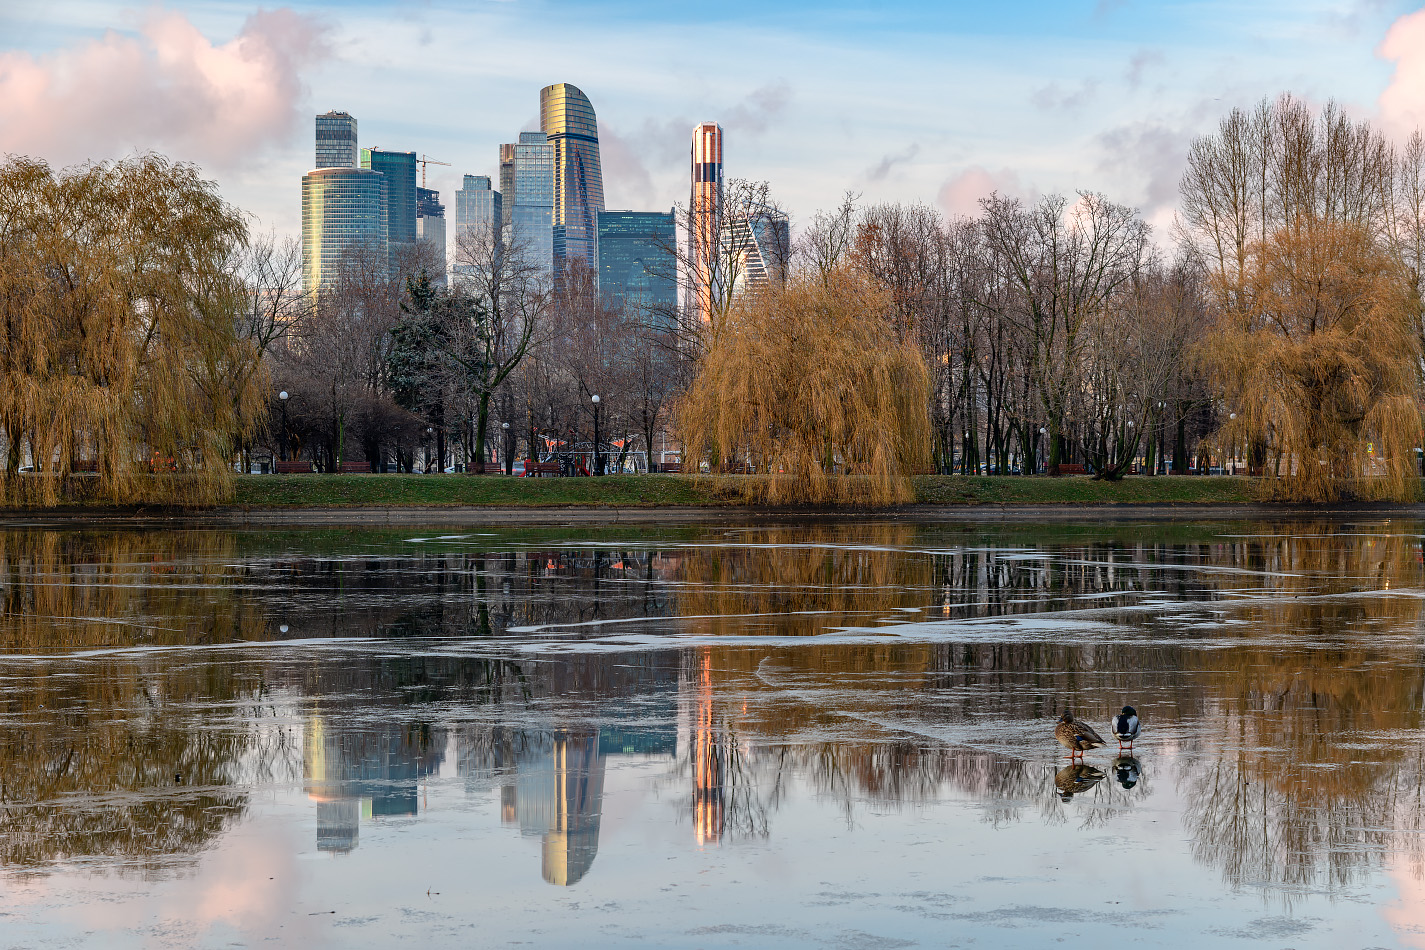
<point x="824" y="735"/>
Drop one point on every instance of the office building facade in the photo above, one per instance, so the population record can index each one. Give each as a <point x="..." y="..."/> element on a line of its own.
<point x="567" y="117"/>
<point x="430" y="228"/>
<point x="637" y="263"/>
<point x="400" y="171"/>
<point x="479" y="209"/>
<point x="336" y="141"/>
<point x="763" y="241"/>
<point x="528" y="195"/>
<point x="705" y="216"/>
<point x="344" y="211"/>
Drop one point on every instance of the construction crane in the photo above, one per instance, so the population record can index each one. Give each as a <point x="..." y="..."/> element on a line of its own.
<point x="425" y="160"/>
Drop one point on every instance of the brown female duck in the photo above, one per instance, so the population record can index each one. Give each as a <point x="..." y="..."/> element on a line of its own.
<point x="1077" y="737"/>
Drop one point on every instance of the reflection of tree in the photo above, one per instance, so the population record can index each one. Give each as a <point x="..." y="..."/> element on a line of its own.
<point x="115" y="765"/>
<point x="69" y="590"/>
<point x="1307" y="794"/>
<point x="834" y="575"/>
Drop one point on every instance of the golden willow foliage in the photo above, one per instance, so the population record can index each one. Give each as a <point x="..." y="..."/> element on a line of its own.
<point x="1305" y="224"/>
<point x="809" y="384"/>
<point x="119" y="333"/>
<point x="1321" y="363"/>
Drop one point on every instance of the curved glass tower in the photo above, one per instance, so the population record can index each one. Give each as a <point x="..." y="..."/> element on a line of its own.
<point x="567" y="117"/>
<point x="341" y="208"/>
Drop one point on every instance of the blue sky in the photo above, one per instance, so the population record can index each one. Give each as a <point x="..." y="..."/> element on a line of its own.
<point x="933" y="102"/>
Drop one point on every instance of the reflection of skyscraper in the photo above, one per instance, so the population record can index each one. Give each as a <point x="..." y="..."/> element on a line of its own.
<point x="704" y="209"/>
<point x="559" y="795"/>
<point x="567" y="117"/>
<point x="636" y="261"/>
<point x="336" y="141"/>
<point x="370" y="773"/>
<point x="708" y="754"/>
<point x="528" y="194"/>
<point x="400" y="171"/>
<point x="342" y="209"/>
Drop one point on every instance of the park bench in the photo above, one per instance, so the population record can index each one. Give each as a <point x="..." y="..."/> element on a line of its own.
<point x="84" y="465"/>
<point x="671" y="468"/>
<point x="1072" y="468"/>
<point x="538" y="469"/>
<point x="298" y="467"/>
<point x="355" y="468"/>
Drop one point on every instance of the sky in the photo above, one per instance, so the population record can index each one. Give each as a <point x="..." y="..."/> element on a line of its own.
<point x="933" y="102"/>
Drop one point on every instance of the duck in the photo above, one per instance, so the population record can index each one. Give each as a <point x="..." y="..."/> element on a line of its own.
<point x="1126" y="726"/>
<point x="1127" y="770"/>
<point x="1077" y="737"/>
<point x="1075" y="779"/>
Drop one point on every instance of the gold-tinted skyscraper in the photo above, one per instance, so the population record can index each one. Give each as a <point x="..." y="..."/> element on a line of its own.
<point x="704" y="214"/>
<point x="567" y="117"/>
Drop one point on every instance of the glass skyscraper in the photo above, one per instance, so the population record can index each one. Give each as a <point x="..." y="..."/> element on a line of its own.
<point x="400" y="171"/>
<point x="528" y="198"/>
<point x="637" y="263"/>
<point x="478" y="209"/>
<point x="704" y="214"/>
<point x="342" y="209"/>
<point x="567" y="118"/>
<point x="336" y="141"/>
<point x="763" y="238"/>
<point x="430" y="227"/>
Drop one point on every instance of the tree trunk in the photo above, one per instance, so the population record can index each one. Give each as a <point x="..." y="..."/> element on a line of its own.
<point x="482" y="418"/>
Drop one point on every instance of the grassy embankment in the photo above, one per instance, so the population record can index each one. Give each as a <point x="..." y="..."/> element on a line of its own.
<point x="275" y="491"/>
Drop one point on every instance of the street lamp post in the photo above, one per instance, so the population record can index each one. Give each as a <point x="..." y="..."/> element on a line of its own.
<point x="282" y="396"/>
<point x="598" y="454"/>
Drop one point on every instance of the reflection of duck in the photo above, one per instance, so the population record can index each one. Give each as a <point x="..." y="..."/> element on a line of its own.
<point x="1127" y="770"/>
<point x="1075" y="779"/>
<point x="1126" y="727"/>
<point x="1077" y="737"/>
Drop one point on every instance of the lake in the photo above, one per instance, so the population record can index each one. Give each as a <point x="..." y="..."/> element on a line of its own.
<point x="832" y="735"/>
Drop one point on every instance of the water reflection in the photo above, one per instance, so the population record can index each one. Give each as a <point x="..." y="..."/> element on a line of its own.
<point x="1076" y="779"/>
<point x="364" y="773"/>
<point x="1280" y="666"/>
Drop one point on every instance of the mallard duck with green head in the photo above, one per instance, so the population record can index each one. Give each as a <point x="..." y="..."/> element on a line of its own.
<point x="1077" y="737"/>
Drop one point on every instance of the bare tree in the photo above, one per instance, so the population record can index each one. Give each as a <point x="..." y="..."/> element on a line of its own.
<point x="504" y="292"/>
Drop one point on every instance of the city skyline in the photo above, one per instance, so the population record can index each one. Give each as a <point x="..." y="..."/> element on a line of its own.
<point x="1089" y="95"/>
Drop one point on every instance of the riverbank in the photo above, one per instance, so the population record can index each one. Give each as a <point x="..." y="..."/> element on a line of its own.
<point x="269" y="500"/>
<point x="634" y="491"/>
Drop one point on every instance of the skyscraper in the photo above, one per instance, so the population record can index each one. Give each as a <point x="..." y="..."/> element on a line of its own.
<point x="528" y="196"/>
<point x="567" y="118"/>
<point x="400" y="171"/>
<point x="763" y="241"/>
<point x="343" y="210"/>
<point x="430" y="228"/>
<point x="704" y="214"/>
<point x="478" y="208"/>
<point x="336" y="141"/>
<point x="637" y="264"/>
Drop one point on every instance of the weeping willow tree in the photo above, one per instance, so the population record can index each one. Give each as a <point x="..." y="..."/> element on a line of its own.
<point x="121" y="351"/>
<point x="809" y="385"/>
<point x="1316" y="352"/>
<point x="1321" y="363"/>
